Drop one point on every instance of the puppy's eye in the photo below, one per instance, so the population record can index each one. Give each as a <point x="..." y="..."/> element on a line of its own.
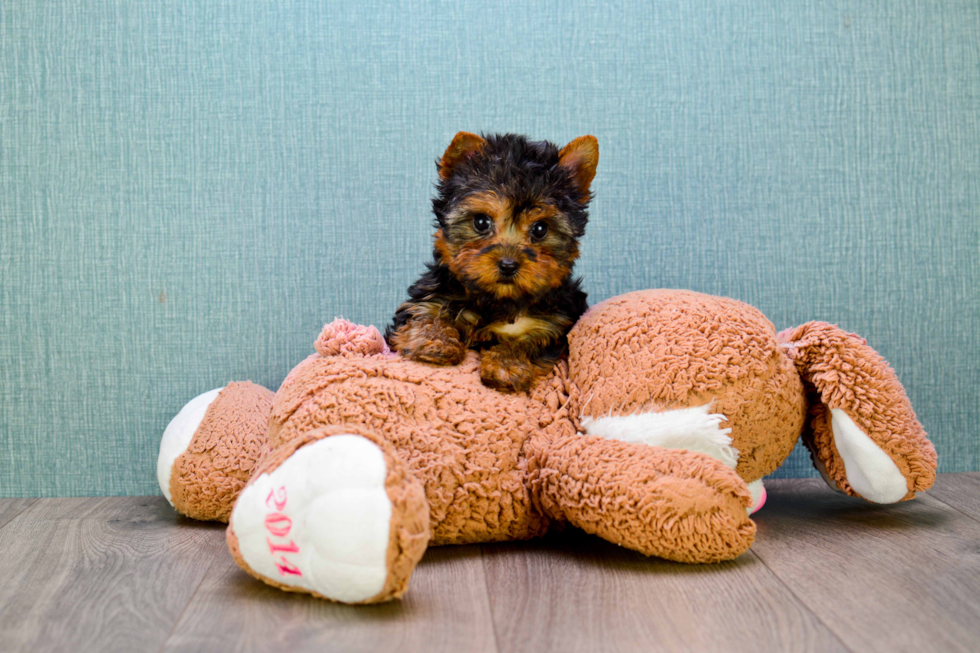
<point x="539" y="230"/>
<point x="482" y="223"/>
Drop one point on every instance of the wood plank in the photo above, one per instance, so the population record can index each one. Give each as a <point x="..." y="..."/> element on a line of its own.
<point x="99" y="574"/>
<point x="445" y="609"/>
<point x="574" y="592"/>
<point x="882" y="578"/>
<point x="962" y="491"/>
<point x="10" y="508"/>
<point x="826" y="572"/>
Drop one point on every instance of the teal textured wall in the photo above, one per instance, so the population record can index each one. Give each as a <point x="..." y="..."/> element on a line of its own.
<point x="190" y="189"/>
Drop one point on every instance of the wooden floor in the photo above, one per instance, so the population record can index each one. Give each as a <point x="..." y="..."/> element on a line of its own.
<point x="827" y="573"/>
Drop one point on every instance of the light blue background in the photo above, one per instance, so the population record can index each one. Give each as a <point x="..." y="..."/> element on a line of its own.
<point x="190" y="189"/>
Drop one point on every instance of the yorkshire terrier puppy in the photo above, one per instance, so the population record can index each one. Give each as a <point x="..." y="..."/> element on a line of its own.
<point x="509" y="214"/>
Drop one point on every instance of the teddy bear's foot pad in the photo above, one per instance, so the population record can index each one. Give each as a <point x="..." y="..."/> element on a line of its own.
<point x="869" y="469"/>
<point x="320" y="521"/>
<point x="178" y="435"/>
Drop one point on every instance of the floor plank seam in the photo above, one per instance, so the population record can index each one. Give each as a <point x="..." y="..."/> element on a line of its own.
<point x="803" y="603"/>
<point x="949" y="505"/>
<point x="486" y="588"/>
<point x="20" y="513"/>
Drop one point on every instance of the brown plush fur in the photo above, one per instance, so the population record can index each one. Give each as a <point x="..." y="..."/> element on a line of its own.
<point x="842" y="371"/>
<point x="677" y="505"/>
<point x="461" y="437"/>
<point x="661" y="349"/>
<point x="209" y="475"/>
<point x="484" y="466"/>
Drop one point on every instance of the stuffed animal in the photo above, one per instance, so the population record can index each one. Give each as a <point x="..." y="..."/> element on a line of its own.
<point x="654" y="434"/>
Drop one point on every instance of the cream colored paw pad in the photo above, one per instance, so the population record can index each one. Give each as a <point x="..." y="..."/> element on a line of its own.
<point x="869" y="469"/>
<point x="320" y="521"/>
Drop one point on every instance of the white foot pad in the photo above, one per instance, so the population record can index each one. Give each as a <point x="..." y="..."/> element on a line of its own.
<point x="870" y="471"/>
<point x="320" y="520"/>
<point x="178" y="435"/>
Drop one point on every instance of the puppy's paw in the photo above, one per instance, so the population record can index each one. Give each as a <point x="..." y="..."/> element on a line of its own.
<point x="504" y="372"/>
<point x="439" y="352"/>
<point x="433" y="342"/>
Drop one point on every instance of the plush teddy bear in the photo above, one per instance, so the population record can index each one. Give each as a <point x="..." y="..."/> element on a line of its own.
<point x="654" y="434"/>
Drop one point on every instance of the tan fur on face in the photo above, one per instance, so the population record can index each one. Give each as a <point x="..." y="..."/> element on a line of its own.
<point x="544" y="213"/>
<point x="474" y="257"/>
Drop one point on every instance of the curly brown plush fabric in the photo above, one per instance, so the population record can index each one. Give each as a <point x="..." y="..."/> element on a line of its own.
<point x="208" y="476"/>
<point x="482" y="466"/>
<point x="677" y="505"/>
<point x="657" y="350"/>
<point x="497" y="466"/>
<point x="843" y="372"/>
<point x="463" y="439"/>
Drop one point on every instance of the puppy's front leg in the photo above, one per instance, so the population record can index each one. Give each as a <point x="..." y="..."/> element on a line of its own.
<point x="429" y="339"/>
<point x="507" y="368"/>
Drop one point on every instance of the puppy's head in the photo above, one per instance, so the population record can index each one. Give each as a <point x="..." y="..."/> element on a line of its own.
<point x="509" y="211"/>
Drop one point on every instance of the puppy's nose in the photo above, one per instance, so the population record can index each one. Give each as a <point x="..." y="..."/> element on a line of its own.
<point x="508" y="267"/>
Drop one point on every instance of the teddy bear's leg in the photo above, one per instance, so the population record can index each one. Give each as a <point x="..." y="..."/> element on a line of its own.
<point x="675" y="504"/>
<point x="334" y="513"/>
<point x="694" y="428"/>
<point x="209" y="449"/>
<point x="864" y="436"/>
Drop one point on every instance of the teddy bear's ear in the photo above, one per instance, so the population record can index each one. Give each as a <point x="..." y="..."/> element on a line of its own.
<point x="464" y="146"/>
<point x="580" y="158"/>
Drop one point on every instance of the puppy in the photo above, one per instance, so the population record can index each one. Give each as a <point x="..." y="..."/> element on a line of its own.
<point x="509" y="214"/>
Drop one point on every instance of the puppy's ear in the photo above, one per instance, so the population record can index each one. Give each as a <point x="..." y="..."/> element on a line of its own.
<point x="464" y="146"/>
<point x="580" y="158"/>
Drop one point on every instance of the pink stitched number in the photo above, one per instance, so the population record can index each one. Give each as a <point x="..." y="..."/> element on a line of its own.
<point x="292" y="547"/>
<point x="285" y="567"/>
<point x="279" y="525"/>
<point x="280" y="501"/>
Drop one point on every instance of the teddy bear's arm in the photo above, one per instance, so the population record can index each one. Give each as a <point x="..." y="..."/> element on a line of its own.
<point x="864" y="436"/>
<point x="674" y="504"/>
